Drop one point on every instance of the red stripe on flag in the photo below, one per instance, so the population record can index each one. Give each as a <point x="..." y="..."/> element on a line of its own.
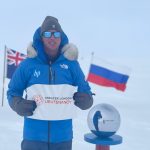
<point x="16" y="57"/>
<point x="105" y="82"/>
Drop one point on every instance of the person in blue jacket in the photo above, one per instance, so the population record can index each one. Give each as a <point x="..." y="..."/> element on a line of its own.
<point x="50" y="68"/>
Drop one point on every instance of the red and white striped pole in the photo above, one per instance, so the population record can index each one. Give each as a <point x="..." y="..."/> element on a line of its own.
<point x="101" y="147"/>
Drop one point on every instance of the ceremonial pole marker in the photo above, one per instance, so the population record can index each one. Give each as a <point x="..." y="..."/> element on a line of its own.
<point x="103" y="121"/>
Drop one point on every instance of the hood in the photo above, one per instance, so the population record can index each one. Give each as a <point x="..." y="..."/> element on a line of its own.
<point x="70" y="51"/>
<point x="39" y="48"/>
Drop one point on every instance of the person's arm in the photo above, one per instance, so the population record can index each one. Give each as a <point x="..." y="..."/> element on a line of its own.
<point x="83" y="97"/>
<point x="15" y="92"/>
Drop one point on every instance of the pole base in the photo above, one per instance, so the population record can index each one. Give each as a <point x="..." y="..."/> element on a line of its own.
<point x="100" y="147"/>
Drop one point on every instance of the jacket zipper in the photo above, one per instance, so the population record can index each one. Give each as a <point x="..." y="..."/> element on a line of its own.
<point x="51" y="79"/>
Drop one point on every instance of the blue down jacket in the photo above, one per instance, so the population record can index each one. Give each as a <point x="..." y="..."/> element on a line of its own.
<point x="39" y="130"/>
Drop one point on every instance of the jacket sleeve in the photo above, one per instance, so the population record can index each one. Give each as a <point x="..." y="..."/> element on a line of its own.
<point x="18" y="83"/>
<point x="79" y="79"/>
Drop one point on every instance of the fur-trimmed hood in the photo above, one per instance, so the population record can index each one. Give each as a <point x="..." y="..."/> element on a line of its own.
<point x="36" y="48"/>
<point x="70" y="51"/>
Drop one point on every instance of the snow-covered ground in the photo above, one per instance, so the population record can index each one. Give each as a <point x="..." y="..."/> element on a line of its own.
<point x="133" y="105"/>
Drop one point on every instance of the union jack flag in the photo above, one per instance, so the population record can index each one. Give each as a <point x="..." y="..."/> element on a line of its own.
<point x="13" y="60"/>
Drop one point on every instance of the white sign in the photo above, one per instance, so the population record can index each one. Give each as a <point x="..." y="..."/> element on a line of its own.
<point x="54" y="102"/>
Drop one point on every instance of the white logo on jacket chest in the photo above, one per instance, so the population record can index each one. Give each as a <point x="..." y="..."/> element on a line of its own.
<point x="37" y="73"/>
<point x="53" y="26"/>
<point x="64" y="66"/>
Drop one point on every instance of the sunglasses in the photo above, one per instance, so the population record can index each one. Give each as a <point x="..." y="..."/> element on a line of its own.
<point x="49" y="34"/>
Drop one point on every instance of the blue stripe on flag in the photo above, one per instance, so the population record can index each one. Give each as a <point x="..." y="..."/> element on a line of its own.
<point x="108" y="74"/>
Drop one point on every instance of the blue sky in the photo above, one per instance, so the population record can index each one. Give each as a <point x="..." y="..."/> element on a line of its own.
<point x="109" y="28"/>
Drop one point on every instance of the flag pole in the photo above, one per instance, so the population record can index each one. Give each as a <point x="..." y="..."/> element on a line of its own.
<point x="92" y="57"/>
<point x="4" y="75"/>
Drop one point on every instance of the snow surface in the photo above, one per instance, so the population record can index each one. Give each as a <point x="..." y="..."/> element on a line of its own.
<point x="133" y="105"/>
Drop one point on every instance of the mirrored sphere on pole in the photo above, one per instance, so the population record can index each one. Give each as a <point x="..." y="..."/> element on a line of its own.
<point x="103" y="120"/>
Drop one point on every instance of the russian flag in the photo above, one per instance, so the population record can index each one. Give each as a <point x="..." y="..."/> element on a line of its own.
<point x="109" y="75"/>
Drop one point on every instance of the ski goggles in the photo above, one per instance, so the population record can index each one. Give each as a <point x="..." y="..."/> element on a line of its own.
<point x="49" y="34"/>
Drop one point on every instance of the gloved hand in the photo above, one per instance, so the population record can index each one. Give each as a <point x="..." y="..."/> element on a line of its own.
<point x="83" y="100"/>
<point x="23" y="107"/>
